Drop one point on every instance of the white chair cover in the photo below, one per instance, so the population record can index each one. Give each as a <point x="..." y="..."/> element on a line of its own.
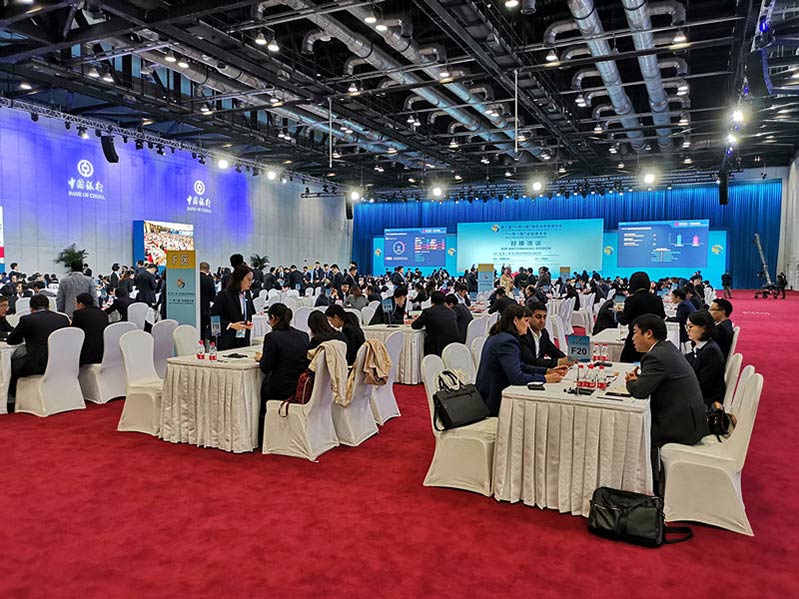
<point x="263" y="293"/>
<point x="703" y="483"/>
<point x="731" y="373"/>
<point x="300" y="321"/>
<point x="566" y="311"/>
<point x="737" y="397"/>
<point x="293" y="293"/>
<point x="22" y="303"/>
<point x="367" y="314"/>
<point x="20" y="313"/>
<point x="273" y="294"/>
<point x="187" y="339"/>
<point x="560" y="335"/>
<point x="162" y="332"/>
<point x="142" y="410"/>
<point x="309" y="292"/>
<point x="307" y="430"/>
<point x="477" y="352"/>
<point x="373" y="305"/>
<point x="291" y="303"/>
<point x="54" y="304"/>
<point x="13" y="319"/>
<point x="354" y="311"/>
<point x="384" y="403"/>
<point x="58" y="389"/>
<point x="477" y="327"/>
<point x="355" y="423"/>
<point x="426" y="304"/>
<point x="736" y="332"/>
<point x="106" y="381"/>
<point x="463" y="457"/>
<point x="259" y="303"/>
<point x="137" y="314"/>
<point x="457" y="356"/>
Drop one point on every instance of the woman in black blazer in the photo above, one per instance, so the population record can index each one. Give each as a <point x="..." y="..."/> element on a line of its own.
<point x="706" y="358"/>
<point x="321" y="330"/>
<point x="235" y="309"/>
<point x="639" y="302"/>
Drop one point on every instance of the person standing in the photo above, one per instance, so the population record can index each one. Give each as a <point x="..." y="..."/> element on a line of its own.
<point x="639" y="302"/>
<point x="782" y="283"/>
<point x="73" y="285"/>
<point x="440" y="323"/>
<point x="235" y="309"/>
<point x="207" y="294"/>
<point x="726" y="283"/>
<point x="147" y="285"/>
<point x="92" y="321"/>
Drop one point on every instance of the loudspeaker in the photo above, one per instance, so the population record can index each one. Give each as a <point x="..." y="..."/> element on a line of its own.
<point x="349" y="210"/>
<point x="723" y="180"/>
<point x="754" y="75"/>
<point x="108" y="149"/>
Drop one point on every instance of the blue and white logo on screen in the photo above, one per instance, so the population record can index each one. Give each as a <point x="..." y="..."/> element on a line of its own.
<point x="85" y="168"/>
<point x="198" y="201"/>
<point x="398" y="248"/>
<point x="199" y="187"/>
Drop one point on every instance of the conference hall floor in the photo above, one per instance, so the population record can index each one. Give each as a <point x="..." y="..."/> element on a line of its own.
<point x="90" y="512"/>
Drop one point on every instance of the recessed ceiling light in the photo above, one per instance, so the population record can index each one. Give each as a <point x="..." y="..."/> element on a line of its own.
<point x="688" y="161"/>
<point x="443" y="73"/>
<point x="511" y="3"/>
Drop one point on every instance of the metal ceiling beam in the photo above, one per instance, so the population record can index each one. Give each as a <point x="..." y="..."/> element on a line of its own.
<point x="15" y="14"/>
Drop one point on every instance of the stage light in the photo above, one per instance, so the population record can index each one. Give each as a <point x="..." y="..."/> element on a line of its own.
<point x="508" y="173"/>
<point x="202" y="160"/>
<point x="443" y="73"/>
<point x="737" y="116"/>
<point x="612" y="150"/>
<point x="273" y="46"/>
<point x="355" y="195"/>
<point x="25" y="86"/>
<point x="562" y="170"/>
<point x="170" y="57"/>
<point x="260" y="39"/>
<point x="598" y="128"/>
<point x="682" y="90"/>
<point x="284" y="179"/>
<point x="537" y="186"/>
<point x="649" y="178"/>
<point x="683" y="121"/>
<point x="271" y="175"/>
<point x="160" y="150"/>
<point x="34" y="117"/>
<point x="205" y="109"/>
<point x="392" y="150"/>
<point x="93" y="72"/>
<point x="222" y="163"/>
<point x="145" y="70"/>
<point x="679" y="37"/>
<point x="687" y="161"/>
<point x="552" y="56"/>
<point x="437" y="191"/>
<point x="453" y="145"/>
<point x="82" y="133"/>
<point x="370" y="18"/>
<point x="511" y="3"/>
<point x="731" y="139"/>
<point x="381" y="27"/>
<point x="620" y="165"/>
<point x="580" y="101"/>
<point x="108" y="77"/>
<point x="410" y="119"/>
<point x="183" y="63"/>
<point x="353" y="88"/>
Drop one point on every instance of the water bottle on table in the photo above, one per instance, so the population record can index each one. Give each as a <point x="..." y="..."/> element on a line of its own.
<point x="212" y="352"/>
<point x="201" y="351"/>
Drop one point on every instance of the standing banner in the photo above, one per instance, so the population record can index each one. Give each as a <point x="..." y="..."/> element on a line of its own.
<point x="565" y="273"/>
<point x="485" y="278"/>
<point x="2" y="242"/>
<point x="182" y="287"/>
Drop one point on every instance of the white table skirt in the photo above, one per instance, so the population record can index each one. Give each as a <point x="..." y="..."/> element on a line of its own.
<point x="410" y="360"/>
<point x="6" y="352"/>
<point x="553" y="449"/>
<point x="212" y="404"/>
<point x="610" y="337"/>
<point x="260" y="326"/>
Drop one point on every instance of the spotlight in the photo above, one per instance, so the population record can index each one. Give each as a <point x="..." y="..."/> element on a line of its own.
<point x="170" y="57"/>
<point x="437" y="191"/>
<point x="511" y="3"/>
<point x="284" y="179"/>
<point x="183" y="63"/>
<point x="443" y="73"/>
<point x="238" y="168"/>
<point x="160" y="150"/>
<point x="687" y="161"/>
<point x="537" y="186"/>
<point x="620" y="165"/>
<point x="205" y="109"/>
<point x="98" y="133"/>
<point x="580" y="101"/>
<point x="93" y="72"/>
<point x="146" y="70"/>
<point x="453" y="144"/>
<point x="598" y="128"/>
<point x="649" y="178"/>
<point x="274" y="100"/>
<point x="355" y="196"/>
<point x="410" y="120"/>
<point x="260" y="39"/>
<point x="108" y="77"/>
<point x="222" y="163"/>
<point x="67" y="125"/>
<point x="271" y="175"/>
<point x="25" y="86"/>
<point x="686" y="143"/>
<point x="202" y="160"/>
<point x="140" y="145"/>
<point x="353" y="88"/>
<point x="679" y="37"/>
<point x="381" y="27"/>
<point x="562" y="170"/>
<point x="508" y="173"/>
<point x="731" y="139"/>
<point x="82" y="133"/>
<point x="682" y="90"/>
<point x="683" y="121"/>
<point x="273" y="46"/>
<point x="737" y="116"/>
<point x="552" y="56"/>
<point x="392" y="150"/>
<point x="370" y="18"/>
<point x="34" y="117"/>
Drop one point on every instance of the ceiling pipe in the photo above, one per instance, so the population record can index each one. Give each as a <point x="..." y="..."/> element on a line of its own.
<point x="438" y="50"/>
<point x="585" y="15"/>
<point x="401" y="21"/>
<point x="553" y="31"/>
<point x="431" y="118"/>
<point x="600" y="93"/>
<point x="597" y="113"/>
<point x="351" y="63"/>
<point x="638" y="19"/>
<point x="573" y="52"/>
<point x="668" y="7"/>
<point x="386" y="83"/>
<point x="411" y="100"/>
<point x="675" y="62"/>
<point x="311" y="38"/>
<point x="577" y="79"/>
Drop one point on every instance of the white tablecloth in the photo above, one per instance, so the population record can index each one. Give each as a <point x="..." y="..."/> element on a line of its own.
<point x="610" y="337"/>
<point x="260" y="326"/>
<point x="554" y="449"/>
<point x="410" y="360"/>
<point x="6" y="351"/>
<point x="212" y="404"/>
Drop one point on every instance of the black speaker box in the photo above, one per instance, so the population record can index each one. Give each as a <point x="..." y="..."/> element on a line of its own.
<point x="108" y="149"/>
<point x="723" y="181"/>
<point x="349" y="210"/>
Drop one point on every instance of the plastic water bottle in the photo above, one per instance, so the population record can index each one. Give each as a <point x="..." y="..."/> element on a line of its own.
<point x="605" y="352"/>
<point x="212" y="352"/>
<point x="602" y="382"/>
<point x="595" y="353"/>
<point x="201" y="351"/>
<point x="581" y="376"/>
<point x="591" y="377"/>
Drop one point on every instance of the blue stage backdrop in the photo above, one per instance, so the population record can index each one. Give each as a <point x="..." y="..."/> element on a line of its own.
<point x="753" y="207"/>
<point x="57" y="189"/>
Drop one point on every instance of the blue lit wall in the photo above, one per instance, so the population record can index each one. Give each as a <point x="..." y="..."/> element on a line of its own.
<point x="45" y="210"/>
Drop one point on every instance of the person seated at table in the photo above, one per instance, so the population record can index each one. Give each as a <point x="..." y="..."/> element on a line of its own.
<point x="92" y="321"/>
<point x="421" y="296"/>
<point x="283" y="359"/>
<point x="398" y="314"/>
<point x="33" y="329"/>
<point x="571" y="292"/>
<point x="120" y="301"/>
<point x="684" y="308"/>
<point x="605" y="318"/>
<point x="501" y="301"/>
<point x="462" y="294"/>
<point x="347" y="323"/>
<point x="462" y="313"/>
<point x="720" y="310"/>
<point x="667" y="379"/>
<point x="536" y="345"/>
<point x="534" y="295"/>
<point x="372" y="295"/>
<point x="5" y="326"/>
<point x="356" y="298"/>
<point x="638" y="302"/>
<point x="706" y="358"/>
<point x="321" y="330"/>
<point x="235" y="309"/>
<point x="694" y="295"/>
<point x="440" y="323"/>
<point x="500" y="363"/>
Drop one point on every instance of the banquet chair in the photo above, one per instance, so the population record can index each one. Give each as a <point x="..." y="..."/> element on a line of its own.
<point x="703" y="483"/>
<point x="492" y="319"/>
<point x="737" y="397"/>
<point x="53" y="304"/>
<point x="306" y="430"/>
<point x="367" y="314"/>
<point x="164" y="343"/>
<point x="355" y="423"/>
<point x="137" y="314"/>
<point x="384" y="403"/>
<point x="731" y="374"/>
<point x="477" y="352"/>
<point x="309" y="292"/>
<point x="58" y="389"/>
<point x="291" y="303"/>
<point x="186" y="338"/>
<point x="106" y="381"/>
<point x="13" y="319"/>
<point x="463" y="457"/>
<point x="426" y="304"/>
<point x="565" y="311"/>
<point x="477" y="327"/>
<point x="293" y="293"/>
<point x="300" y="321"/>
<point x="560" y="334"/>
<point x="259" y="303"/>
<point x="373" y="304"/>
<point x="736" y="332"/>
<point x="20" y="313"/>
<point x="273" y="294"/>
<point x="457" y="356"/>
<point x="22" y="303"/>
<point x="142" y="410"/>
<point x="264" y="294"/>
<point x="583" y="318"/>
<point x="354" y="311"/>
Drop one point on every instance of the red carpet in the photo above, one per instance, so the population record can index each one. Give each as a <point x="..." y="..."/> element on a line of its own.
<point x="89" y="512"/>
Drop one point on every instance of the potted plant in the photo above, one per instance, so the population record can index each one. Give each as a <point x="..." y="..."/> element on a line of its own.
<point x="258" y="261"/>
<point x="71" y="254"/>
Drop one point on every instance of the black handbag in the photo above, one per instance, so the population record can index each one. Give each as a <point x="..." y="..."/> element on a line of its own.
<point x="719" y="422"/>
<point x="631" y="517"/>
<point x="457" y="404"/>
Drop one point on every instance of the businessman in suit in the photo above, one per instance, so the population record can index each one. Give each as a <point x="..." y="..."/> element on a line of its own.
<point x="92" y="321"/>
<point x="121" y="302"/>
<point x="464" y="317"/>
<point x="33" y="329"/>
<point x="501" y="301"/>
<point x="399" y="312"/>
<point x="398" y="278"/>
<point x="684" y="308"/>
<point x="720" y="310"/>
<point x="336" y="280"/>
<point x="5" y="326"/>
<point x="72" y="285"/>
<point x="147" y="285"/>
<point x="537" y="346"/>
<point x="207" y="293"/>
<point x="666" y="377"/>
<point x="441" y="325"/>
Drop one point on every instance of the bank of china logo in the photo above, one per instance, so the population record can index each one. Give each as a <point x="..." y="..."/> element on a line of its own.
<point x="451" y="251"/>
<point x="378" y="252"/>
<point x="608" y="250"/>
<point x="717" y="249"/>
<point x="199" y="187"/>
<point x="85" y="168"/>
<point x="495" y="228"/>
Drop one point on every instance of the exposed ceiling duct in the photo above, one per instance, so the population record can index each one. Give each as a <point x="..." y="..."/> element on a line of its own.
<point x="311" y="38"/>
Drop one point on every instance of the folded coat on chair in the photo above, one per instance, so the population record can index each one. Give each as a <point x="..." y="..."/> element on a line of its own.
<point x="376" y="363"/>
<point x="336" y="359"/>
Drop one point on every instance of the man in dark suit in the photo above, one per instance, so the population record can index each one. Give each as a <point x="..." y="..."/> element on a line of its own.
<point x="501" y="301"/>
<point x="114" y="278"/>
<point x="666" y="377"/>
<point x="5" y="326"/>
<point x="120" y="303"/>
<point x="464" y="317"/>
<point x="147" y="285"/>
<point x="398" y="278"/>
<point x="270" y="280"/>
<point x="540" y="349"/>
<point x="352" y="277"/>
<point x="720" y="310"/>
<point x="318" y="275"/>
<point x="399" y="312"/>
<point x="33" y="329"/>
<point x="207" y="294"/>
<point x="462" y="294"/>
<point x="440" y="323"/>
<point x="92" y="320"/>
<point x="294" y="280"/>
<point x="684" y="308"/>
<point x="336" y="279"/>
